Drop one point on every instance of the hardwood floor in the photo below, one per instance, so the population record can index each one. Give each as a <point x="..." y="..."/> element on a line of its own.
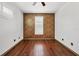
<point x="39" y="48"/>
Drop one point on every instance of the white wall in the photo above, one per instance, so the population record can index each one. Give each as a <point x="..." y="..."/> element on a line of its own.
<point x="67" y="25"/>
<point x="11" y="27"/>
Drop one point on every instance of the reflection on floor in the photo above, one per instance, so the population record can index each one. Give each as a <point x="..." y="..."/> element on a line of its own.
<point x="39" y="48"/>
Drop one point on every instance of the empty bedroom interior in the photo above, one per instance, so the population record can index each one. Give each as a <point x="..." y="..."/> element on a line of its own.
<point x="39" y="28"/>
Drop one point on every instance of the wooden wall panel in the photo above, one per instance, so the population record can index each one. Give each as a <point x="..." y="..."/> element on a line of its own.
<point x="29" y="25"/>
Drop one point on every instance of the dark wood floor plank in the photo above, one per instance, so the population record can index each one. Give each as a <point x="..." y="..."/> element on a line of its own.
<point x="39" y="48"/>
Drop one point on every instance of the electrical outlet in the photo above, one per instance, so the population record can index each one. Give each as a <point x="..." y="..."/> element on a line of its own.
<point x="19" y="37"/>
<point x="62" y="39"/>
<point x="14" y="40"/>
<point x="71" y="44"/>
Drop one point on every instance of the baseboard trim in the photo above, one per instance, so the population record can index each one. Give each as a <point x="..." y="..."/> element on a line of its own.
<point x="38" y="38"/>
<point x="68" y="48"/>
<point x="10" y="49"/>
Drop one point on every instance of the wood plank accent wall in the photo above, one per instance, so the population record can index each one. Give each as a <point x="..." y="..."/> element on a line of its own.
<point x="29" y="25"/>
